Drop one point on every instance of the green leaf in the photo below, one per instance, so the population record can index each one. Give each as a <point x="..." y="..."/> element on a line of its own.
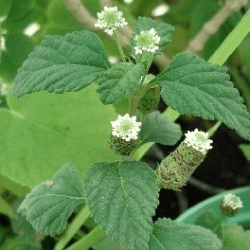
<point x="5" y="208"/>
<point x="48" y="206"/>
<point x="41" y="132"/>
<point x="107" y="244"/>
<point x="17" y="244"/>
<point x="245" y="148"/>
<point x="25" y="232"/>
<point x="21" y="14"/>
<point x="62" y="64"/>
<point x="4" y="7"/>
<point x="2" y="236"/>
<point x="235" y="238"/>
<point x="245" y="53"/>
<point x="155" y="128"/>
<point x="119" y="82"/>
<point x="171" y="235"/>
<point x="122" y="197"/>
<point x="210" y="220"/>
<point x="7" y="68"/>
<point x="192" y="86"/>
<point x="163" y="30"/>
<point x="18" y="46"/>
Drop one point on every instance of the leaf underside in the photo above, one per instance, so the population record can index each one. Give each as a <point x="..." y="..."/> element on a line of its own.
<point x="155" y="128"/>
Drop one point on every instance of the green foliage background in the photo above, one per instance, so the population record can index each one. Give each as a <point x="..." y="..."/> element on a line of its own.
<point x="50" y="124"/>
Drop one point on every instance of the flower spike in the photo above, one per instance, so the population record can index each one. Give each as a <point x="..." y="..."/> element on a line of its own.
<point x="175" y="170"/>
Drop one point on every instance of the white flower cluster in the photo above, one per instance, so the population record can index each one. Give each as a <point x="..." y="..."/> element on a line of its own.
<point x="126" y="127"/>
<point x="110" y="19"/>
<point x="232" y="201"/>
<point x="198" y="140"/>
<point x="147" y="41"/>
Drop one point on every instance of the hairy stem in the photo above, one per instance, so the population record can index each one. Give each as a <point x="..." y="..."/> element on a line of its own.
<point x="133" y="103"/>
<point x="73" y="228"/>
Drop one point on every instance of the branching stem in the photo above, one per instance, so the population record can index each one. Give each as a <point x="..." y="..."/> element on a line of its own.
<point x="219" y="57"/>
<point x="73" y="228"/>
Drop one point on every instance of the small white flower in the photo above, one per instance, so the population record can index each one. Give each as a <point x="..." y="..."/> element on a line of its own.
<point x="126" y="127"/>
<point x="232" y="201"/>
<point x="198" y="140"/>
<point x="110" y="19"/>
<point x="147" y="41"/>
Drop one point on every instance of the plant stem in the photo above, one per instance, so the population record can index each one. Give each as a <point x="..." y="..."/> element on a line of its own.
<point x="73" y="228"/>
<point x="171" y="114"/>
<point x="213" y="129"/>
<point x="133" y="103"/>
<point x="119" y="47"/>
<point x="219" y="57"/>
<point x="232" y="41"/>
<point x="86" y="242"/>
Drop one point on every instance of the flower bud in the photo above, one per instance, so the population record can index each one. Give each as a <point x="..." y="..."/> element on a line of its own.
<point x="121" y="146"/>
<point x="150" y="100"/>
<point x="231" y="205"/>
<point x="175" y="170"/>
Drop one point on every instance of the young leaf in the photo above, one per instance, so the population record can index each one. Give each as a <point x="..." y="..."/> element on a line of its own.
<point x="192" y="86"/>
<point x="122" y="197"/>
<point x="210" y="220"/>
<point x="236" y="238"/>
<point x="163" y="30"/>
<point x="61" y="64"/>
<point x="119" y="82"/>
<point x="155" y="128"/>
<point x="48" y="206"/>
<point x="21" y="14"/>
<point x="18" y="46"/>
<point x="171" y="235"/>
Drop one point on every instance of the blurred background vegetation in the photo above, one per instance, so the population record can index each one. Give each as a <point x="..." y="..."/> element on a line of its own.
<point x="24" y="24"/>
